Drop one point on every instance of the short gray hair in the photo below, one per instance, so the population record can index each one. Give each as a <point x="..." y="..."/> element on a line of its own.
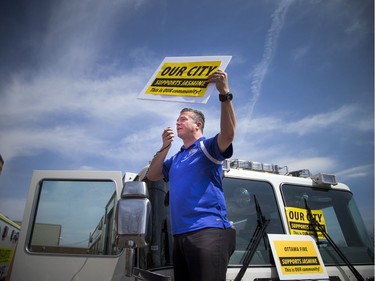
<point x="198" y="116"/>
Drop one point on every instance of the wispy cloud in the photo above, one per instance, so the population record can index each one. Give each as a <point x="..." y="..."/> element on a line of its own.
<point x="339" y="118"/>
<point x="355" y="172"/>
<point x="286" y="142"/>
<point x="322" y="120"/>
<point x="313" y="164"/>
<point x="301" y="52"/>
<point x="260" y="71"/>
<point x="80" y="117"/>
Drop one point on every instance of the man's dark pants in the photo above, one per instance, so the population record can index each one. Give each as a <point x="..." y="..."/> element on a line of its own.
<point x="203" y="255"/>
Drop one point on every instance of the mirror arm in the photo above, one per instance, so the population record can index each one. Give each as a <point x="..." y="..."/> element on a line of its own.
<point x="138" y="273"/>
<point x="129" y="259"/>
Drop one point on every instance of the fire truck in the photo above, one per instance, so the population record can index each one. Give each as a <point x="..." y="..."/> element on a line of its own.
<point x="105" y="225"/>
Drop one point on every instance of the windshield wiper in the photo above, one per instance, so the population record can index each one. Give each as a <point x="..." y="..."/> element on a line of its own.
<point x="258" y="234"/>
<point x="316" y="225"/>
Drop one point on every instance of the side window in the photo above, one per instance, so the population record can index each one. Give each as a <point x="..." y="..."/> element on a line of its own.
<point x="74" y="217"/>
<point x="240" y="198"/>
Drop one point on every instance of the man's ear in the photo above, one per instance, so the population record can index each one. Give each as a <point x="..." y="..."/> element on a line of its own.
<point x="199" y="125"/>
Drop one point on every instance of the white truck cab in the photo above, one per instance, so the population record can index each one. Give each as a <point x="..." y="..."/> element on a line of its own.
<point x="102" y="225"/>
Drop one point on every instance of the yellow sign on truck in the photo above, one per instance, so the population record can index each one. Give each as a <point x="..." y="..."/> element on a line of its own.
<point x="297" y="257"/>
<point x="299" y="221"/>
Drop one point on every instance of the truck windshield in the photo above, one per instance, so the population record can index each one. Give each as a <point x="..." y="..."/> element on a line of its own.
<point x="338" y="213"/>
<point x="240" y="198"/>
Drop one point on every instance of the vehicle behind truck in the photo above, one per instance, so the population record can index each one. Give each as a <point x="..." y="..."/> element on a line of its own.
<point x="102" y="225"/>
<point x="9" y="233"/>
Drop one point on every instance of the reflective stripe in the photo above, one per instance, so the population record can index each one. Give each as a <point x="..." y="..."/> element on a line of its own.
<point x="208" y="155"/>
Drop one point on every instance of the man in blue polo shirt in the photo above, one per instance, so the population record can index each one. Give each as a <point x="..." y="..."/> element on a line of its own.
<point x="203" y="237"/>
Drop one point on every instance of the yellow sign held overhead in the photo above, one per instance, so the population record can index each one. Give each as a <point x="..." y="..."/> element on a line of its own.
<point x="183" y="79"/>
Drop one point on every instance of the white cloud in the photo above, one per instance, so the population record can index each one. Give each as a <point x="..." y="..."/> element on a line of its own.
<point x="356" y="172"/>
<point x="288" y="142"/>
<point x="322" y="120"/>
<point x="343" y="117"/>
<point x="78" y="116"/>
<point x="314" y="164"/>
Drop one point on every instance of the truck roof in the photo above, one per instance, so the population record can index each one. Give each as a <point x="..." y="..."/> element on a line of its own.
<point x="274" y="176"/>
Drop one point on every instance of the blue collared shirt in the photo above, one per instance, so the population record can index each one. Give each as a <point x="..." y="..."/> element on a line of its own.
<point x="196" y="194"/>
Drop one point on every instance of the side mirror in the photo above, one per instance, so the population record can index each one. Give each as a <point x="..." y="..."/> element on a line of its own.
<point x="133" y="216"/>
<point x="133" y="221"/>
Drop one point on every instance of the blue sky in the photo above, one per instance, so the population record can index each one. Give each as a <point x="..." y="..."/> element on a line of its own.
<point x="302" y="75"/>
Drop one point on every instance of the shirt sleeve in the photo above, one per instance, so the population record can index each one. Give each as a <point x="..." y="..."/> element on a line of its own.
<point x="166" y="167"/>
<point x="213" y="148"/>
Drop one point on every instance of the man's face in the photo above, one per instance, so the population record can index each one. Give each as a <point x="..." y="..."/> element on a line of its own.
<point x="186" y="125"/>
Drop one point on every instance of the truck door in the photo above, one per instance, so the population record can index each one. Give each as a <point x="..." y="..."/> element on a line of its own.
<point x="67" y="228"/>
